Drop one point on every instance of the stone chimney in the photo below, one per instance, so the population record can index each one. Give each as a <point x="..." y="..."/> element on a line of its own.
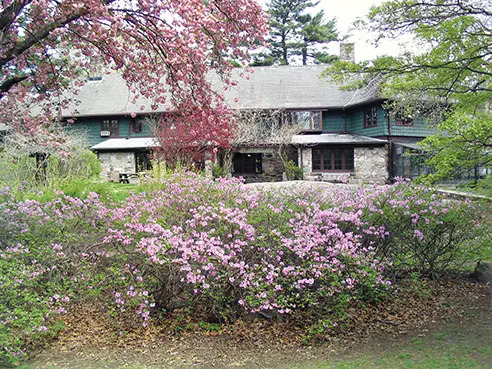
<point x="347" y="52"/>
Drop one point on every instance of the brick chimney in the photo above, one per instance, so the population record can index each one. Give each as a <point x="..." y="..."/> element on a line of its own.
<point x="347" y="52"/>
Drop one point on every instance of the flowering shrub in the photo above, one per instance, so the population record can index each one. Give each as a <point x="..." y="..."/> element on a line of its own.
<point x="428" y="232"/>
<point x="216" y="246"/>
<point x="37" y="242"/>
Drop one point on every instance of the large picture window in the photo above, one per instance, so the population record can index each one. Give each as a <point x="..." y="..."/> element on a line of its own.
<point x="332" y="160"/>
<point x="247" y="163"/>
<point x="308" y="120"/>
<point x="110" y="128"/>
<point x="371" y="117"/>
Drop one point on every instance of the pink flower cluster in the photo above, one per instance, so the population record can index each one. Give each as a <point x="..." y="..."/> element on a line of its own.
<point x="261" y="251"/>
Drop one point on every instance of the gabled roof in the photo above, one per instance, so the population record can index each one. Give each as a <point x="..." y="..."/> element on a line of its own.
<point x="294" y="87"/>
<point x="275" y="87"/>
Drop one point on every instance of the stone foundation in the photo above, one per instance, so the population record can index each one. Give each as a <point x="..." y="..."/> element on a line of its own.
<point x="116" y="162"/>
<point x="370" y="166"/>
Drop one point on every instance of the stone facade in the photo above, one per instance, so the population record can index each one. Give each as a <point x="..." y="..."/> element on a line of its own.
<point x="116" y="162"/>
<point x="370" y="166"/>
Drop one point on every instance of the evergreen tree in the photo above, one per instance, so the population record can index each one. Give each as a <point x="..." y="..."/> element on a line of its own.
<point x="294" y="33"/>
<point x="315" y="30"/>
<point x="284" y="26"/>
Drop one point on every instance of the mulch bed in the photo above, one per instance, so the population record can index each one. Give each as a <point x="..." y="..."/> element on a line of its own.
<point x="91" y="337"/>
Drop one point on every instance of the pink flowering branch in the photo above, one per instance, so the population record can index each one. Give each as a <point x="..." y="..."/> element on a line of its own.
<point x="163" y="48"/>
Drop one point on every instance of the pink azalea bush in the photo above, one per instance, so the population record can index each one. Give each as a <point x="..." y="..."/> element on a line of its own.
<point x="428" y="232"/>
<point x="211" y="245"/>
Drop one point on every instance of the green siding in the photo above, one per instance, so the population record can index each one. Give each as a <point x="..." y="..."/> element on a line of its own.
<point x="333" y="121"/>
<point x="420" y="128"/>
<point x="355" y="121"/>
<point x="91" y="129"/>
<point x="355" y="124"/>
<point x="145" y="132"/>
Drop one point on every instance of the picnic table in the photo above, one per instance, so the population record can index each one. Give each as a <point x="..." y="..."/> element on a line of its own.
<point x="125" y="177"/>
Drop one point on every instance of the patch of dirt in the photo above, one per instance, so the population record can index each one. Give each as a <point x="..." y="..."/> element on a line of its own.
<point x="90" y="339"/>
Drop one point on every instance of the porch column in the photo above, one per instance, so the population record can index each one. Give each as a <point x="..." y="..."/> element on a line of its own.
<point x="305" y="159"/>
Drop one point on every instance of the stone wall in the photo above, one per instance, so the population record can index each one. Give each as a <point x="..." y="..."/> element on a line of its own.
<point x="370" y="166"/>
<point x="121" y="162"/>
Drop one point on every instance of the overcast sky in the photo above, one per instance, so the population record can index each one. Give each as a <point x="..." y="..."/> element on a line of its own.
<point x="346" y="12"/>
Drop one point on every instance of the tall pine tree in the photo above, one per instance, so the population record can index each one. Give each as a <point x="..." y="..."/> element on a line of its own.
<point x="315" y="30"/>
<point x="294" y="33"/>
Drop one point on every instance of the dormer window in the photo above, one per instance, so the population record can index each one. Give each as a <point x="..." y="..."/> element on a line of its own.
<point x="370" y="117"/>
<point x="307" y="120"/>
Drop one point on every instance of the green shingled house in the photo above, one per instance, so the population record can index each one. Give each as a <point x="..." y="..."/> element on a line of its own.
<point x="345" y="135"/>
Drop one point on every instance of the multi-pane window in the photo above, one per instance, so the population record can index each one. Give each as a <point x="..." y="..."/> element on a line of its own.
<point x="401" y="120"/>
<point x="136" y="126"/>
<point x="327" y="160"/>
<point x="308" y="120"/>
<point x="247" y="163"/>
<point x="371" y="117"/>
<point x="110" y="128"/>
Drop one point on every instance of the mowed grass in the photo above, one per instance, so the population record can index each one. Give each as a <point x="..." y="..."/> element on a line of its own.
<point x="429" y="358"/>
<point x="453" y="348"/>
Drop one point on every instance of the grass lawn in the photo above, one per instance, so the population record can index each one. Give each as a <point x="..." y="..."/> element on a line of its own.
<point x="434" y="352"/>
<point x="457" y="345"/>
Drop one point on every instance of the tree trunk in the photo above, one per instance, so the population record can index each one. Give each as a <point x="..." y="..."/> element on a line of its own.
<point x="284" y="51"/>
<point x="41" y="166"/>
<point x="227" y="161"/>
<point x="304" y="52"/>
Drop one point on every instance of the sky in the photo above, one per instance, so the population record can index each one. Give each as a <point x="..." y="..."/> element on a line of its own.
<point x="346" y="12"/>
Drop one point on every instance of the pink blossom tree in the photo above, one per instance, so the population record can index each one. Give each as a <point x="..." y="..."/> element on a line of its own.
<point x="163" y="49"/>
<point x="190" y="137"/>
